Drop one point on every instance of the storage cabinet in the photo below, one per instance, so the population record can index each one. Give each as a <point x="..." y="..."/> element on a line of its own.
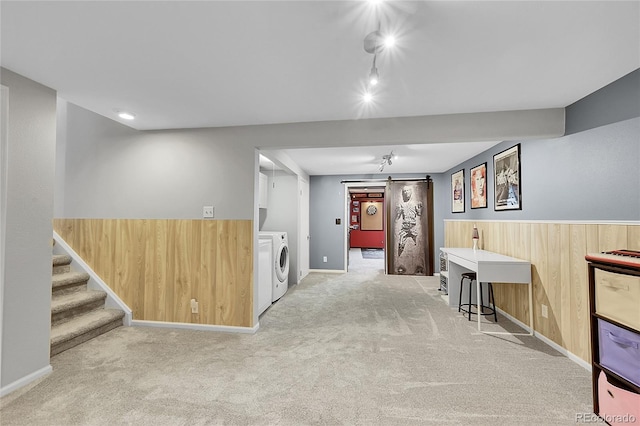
<point x="614" y="306"/>
<point x="444" y="274"/>
<point x="263" y="188"/>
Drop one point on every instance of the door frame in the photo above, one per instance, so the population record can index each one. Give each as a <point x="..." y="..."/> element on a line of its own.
<point x="347" y="216"/>
<point x="4" y="148"/>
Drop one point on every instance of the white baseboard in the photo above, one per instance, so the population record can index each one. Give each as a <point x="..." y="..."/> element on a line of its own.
<point x="328" y="271"/>
<point x="113" y="301"/>
<point x="203" y="327"/>
<point x="582" y="363"/>
<point x="30" y="378"/>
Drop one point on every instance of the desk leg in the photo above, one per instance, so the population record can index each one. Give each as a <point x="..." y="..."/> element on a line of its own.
<point x="479" y="312"/>
<point x="530" y="333"/>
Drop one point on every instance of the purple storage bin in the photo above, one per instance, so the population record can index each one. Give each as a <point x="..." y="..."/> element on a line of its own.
<point x="619" y="351"/>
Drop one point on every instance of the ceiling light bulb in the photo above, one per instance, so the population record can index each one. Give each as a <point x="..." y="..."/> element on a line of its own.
<point x="373" y="76"/>
<point x="126" y="115"/>
<point x="389" y="41"/>
<point x="368" y="97"/>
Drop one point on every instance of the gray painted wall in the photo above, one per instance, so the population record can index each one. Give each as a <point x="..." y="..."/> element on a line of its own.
<point x="26" y="306"/>
<point x="113" y="171"/>
<point x="615" y="102"/>
<point x="592" y="175"/>
<point x="327" y="203"/>
<point x="282" y="214"/>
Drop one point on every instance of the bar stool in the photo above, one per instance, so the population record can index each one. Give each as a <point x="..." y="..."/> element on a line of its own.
<point x="491" y="309"/>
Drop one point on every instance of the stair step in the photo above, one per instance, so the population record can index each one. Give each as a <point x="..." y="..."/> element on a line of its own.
<point x="61" y="263"/>
<point x="69" y="282"/>
<point x="84" y="327"/>
<point x="66" y="305"/>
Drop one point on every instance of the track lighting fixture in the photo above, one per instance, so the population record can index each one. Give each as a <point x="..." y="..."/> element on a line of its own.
<point x="386" y="160"/>
<point x="374" y="43"/>
<point x="373" y="75"/>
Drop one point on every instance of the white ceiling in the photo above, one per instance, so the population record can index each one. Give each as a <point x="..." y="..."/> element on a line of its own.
<point x="183" y="64"/>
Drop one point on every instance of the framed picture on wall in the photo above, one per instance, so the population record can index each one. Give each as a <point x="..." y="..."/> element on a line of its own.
<point x="507" y="188"/>
<point x="457" y="192"/>
<point x="478" y="177"/>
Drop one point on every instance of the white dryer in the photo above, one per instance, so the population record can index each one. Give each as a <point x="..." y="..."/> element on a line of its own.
<point x="280" y="262"/>
<point x="265" y="274"/>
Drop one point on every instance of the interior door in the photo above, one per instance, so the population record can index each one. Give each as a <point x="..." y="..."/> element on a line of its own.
<point x="303" y="228"/>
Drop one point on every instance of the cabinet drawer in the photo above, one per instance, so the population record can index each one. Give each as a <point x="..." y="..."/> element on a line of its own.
<point x="618" y="297"/>
<point x="617" y="405"/>
<point x="619" y="351"/>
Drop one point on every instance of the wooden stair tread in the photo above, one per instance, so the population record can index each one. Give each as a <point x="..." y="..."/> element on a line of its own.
<point x="73" y="300"/>
<point x="84" y="323"/>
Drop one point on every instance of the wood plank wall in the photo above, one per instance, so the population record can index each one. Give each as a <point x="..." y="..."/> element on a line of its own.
<point x="157" y="266"/>
<point x="559" y="271"/>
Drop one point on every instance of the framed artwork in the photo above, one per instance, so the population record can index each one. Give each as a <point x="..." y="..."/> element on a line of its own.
<point x="457" y="192"/>
<point x="506" y="179"/>
<point x="478" y="186"/>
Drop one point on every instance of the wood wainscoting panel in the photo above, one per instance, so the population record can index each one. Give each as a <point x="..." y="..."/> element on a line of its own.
<point x="157" y="266"/>
<point x="633" y="237"/>
<point x="558" y="269"/>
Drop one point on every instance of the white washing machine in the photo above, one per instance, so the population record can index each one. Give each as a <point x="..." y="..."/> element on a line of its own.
<point x="280" y="262"/>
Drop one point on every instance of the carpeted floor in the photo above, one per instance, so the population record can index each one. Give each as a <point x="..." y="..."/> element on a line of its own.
<point x="369" y="253"/>
<point x="360" y="348"/>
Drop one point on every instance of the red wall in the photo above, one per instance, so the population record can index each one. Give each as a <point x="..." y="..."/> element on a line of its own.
<point x="365" y="239"/>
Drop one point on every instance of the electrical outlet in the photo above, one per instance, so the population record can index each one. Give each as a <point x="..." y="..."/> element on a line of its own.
<point x="207" y="212"/>
<point x="545" y="311"/>
<point x="324" y="259"/>
<point x="194" y="306"/>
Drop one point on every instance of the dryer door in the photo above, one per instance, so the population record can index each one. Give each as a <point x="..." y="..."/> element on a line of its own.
<point x="282" y="262"/>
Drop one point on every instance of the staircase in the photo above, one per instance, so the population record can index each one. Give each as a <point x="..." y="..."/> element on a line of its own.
<point x="77" y="313"/>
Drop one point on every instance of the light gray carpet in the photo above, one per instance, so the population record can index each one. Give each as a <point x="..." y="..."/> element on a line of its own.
<point x="359" y="348"/>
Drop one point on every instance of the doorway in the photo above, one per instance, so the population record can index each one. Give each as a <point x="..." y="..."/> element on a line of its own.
<point x="365" y="239"/>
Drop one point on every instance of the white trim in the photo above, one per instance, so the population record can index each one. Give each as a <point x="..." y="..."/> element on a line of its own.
<point x="204" y="327"/>
<point x="25" y="380"/>
<point x="94" y="281"/>
<point x="582" y="363"/>
<point x="329" y="271"/>
<point x="576" y="222"/>
<point x="4" y="163"/>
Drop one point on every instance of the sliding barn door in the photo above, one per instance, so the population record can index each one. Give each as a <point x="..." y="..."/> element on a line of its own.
<point x="409" y="227"/>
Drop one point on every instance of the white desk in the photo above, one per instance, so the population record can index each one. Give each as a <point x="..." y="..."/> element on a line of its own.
<point x="489" y="267"/>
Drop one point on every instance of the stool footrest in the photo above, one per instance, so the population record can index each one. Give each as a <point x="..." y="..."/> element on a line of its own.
<point x="483" y="308"/>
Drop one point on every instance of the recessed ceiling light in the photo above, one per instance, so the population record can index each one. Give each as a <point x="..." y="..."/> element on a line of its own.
<point x="126" y="115"/>
<point x="368" y="97"/>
